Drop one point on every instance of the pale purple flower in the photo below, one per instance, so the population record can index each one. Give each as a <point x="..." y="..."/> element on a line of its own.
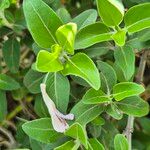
<point x="58" y="119"/>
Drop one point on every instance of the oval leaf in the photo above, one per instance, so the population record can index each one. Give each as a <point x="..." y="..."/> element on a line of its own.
<point x="138" y="17"/>
<point x="58" y="89"/>
<point x="86" y="113"/>
<point x="95" y="97"/>
<point x="95" y="144"/>
<point x="91" y="35"/>
<point x="85" y="18"/>
<point x="124" y="63"/>
<point x="32" y="81"/>
<point x="134" y="106"/>
<point x="113" y="111"/>
<point x="11" y="54"/>
<point x="120" y="142"/>
<point x="114" y="14"/>
<point x="76" y="131"/>
<point x="126" y="89"/>
<point x="108" y="76"/>
<point x="8" y="83"/>
<point x="81" y="65"/>
<point x="41" y="130"/>
<point x="42" y="22"/>
<point x="63" y="15"/>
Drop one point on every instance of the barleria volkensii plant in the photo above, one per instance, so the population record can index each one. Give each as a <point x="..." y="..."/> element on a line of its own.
<point x="88" y="90"/>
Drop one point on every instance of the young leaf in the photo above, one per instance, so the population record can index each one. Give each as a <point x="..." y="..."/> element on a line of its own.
<point x="95" y="97"/>
<point x="124" y="63"/>
<point x="138" y="17"/>
<point x="95" y="144"/>
<point x="120" y="142"/>
<point x="84" y="68"/>
<point x="66" y="36"/>
<point x="85" y="18"/>
<point x="41" y="130"/>
<point x="32" y="81"/>
<point x="3" y="105"/>
<point x="114" y="14"/>
<point x="113" y="111"/>
<point x="48" y="62"/>
<point x="70" y="145"/>
<point x="11" y="54"/>
<point x="108" y="76"/>
<point x="119" y="37"/>
<point x="58" y="88"/>
<point x="92" y="34"/>
<point x="42" y="22"/>
<point x="126" y="89"/>
<point x="78" y="132"/>
<point x="8" y="83"/>
<point x="64" y="15"/>
<point x="86" y="113"/>
<point x="134" y="106"/>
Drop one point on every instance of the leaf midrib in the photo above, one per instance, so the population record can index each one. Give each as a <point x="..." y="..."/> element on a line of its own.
<point x="42" y="22"/>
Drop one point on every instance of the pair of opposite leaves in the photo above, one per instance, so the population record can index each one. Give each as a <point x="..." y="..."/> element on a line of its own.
<point x="51" y="62"/>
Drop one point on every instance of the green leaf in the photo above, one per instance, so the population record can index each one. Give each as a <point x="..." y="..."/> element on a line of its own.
<point x="70" y="145"/>
<point x="144" y="123"/>
<point x="64" y="15"/>
<point x="32" y="81"/>
<point x="85" y="18"/>
<point x="96" y="51"/>
<point x="92" y="34"/>
<point x="134" y="106"/>
<point x="66" y="36"/>
<point x="138" y="17"/>
<point x="144" y="35"/>
<point x="108" y="76"/>
<point x="40" y="108"/>
<point x="11" y="54"/>
<point x="86" y="113"/>
<point x="124" y="63"/>
<point x="81" y="65"/>
<point x="126" y="89"/>
<point x="119" y="37"/>
<point x="42" y="22"/>
<point x="8" y="83"/>
<point x="41" y="130"/>
<point x="95" y="144"/>
<point x="95" y="97"/>
<point x="114" y="14"/>
<point x="77" y="132"/>
<point x="3" y="105"/>
<point x="113" y="111"/>
<point x="4" y="4"/>
<point x="80" y="81"/>
<point x="49" y="62"/>
<point x="120" y="142"/>
<point x="58" y="88"/>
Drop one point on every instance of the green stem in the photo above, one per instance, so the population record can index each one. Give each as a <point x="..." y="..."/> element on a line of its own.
<point x="139" y="79"/>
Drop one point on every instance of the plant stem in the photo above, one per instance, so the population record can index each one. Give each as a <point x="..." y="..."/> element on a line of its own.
<point x="139" y="79"/>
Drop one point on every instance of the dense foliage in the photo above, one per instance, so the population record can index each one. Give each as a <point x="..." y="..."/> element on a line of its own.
<point x="74" y="74"/>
